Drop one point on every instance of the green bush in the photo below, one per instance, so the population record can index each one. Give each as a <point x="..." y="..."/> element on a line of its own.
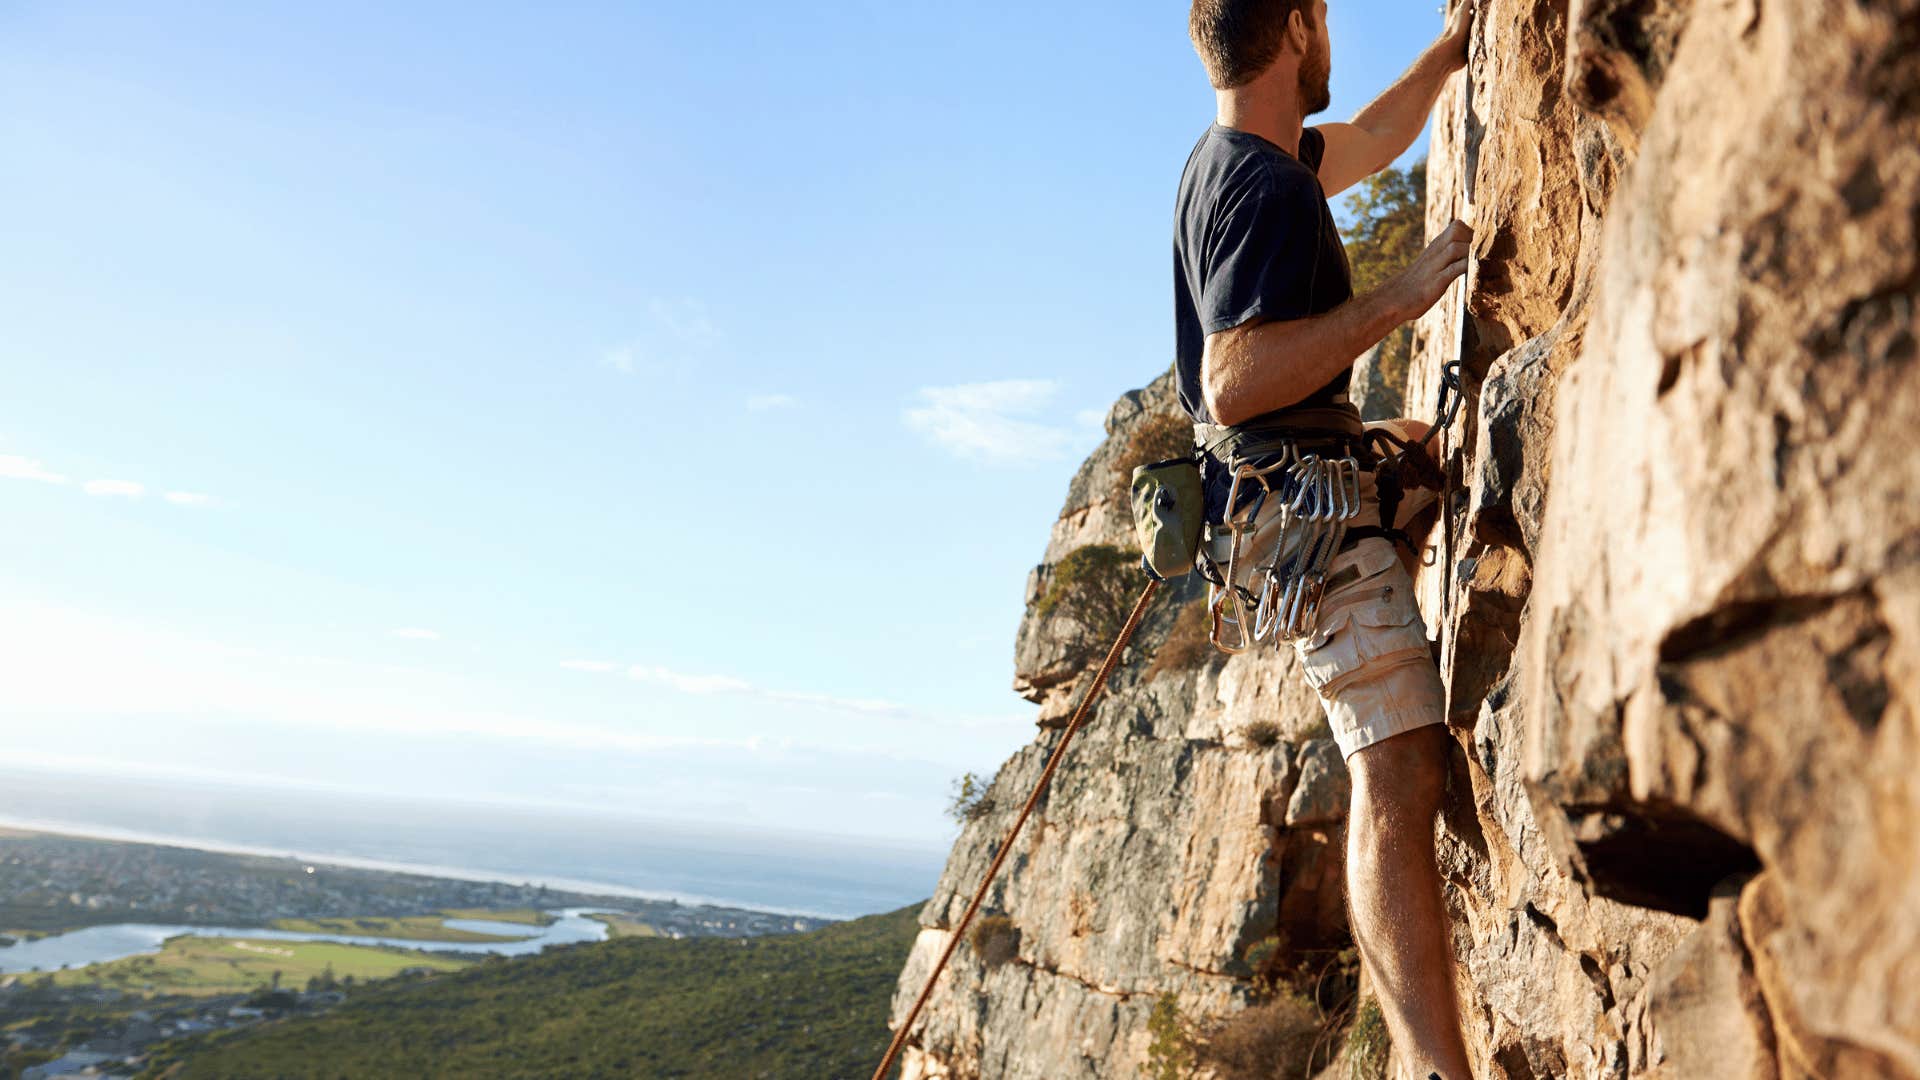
<point x="1095" y="586"/>
<point x="1368" y="1043"/>
<point x="811" y="1004"/>
<point x="1389" y="220"/>
<point x="969" y="801"/>
<point x="1170" y="1047"/>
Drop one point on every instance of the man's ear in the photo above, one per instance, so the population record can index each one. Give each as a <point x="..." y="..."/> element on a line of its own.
<point x="1298" y="33"/>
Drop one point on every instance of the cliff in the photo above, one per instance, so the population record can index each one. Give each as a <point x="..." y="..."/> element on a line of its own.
<point x="1681" y="644"/>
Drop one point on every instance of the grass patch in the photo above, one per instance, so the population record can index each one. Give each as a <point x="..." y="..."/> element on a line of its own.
<point x="810" y="1004"/>
<point x="1274" y="1040"/>
<point x="1368" y="1043"/>
<point x="408" y="927"/>
<point x="1262" y="733"/>
<point x="995" y="940"/>
<point x="619" y="925"/>
<point x="529" y="916"/>
<point x="209" y="965"/>
<point x="1187" y="645"/>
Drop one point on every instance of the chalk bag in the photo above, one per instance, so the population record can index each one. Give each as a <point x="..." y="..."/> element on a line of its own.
<point x="1168" y="510"/>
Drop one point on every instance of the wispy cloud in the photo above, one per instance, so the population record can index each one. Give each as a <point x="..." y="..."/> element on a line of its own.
<point x="415" y="633"/>
<point x="20" y="467"/>
<point x="871" y="706"/>
<point x="770" y="402"/>
<point x="15" y="467"/>
<point x="690" y="684"/>
<point x="673" y="332"/>
<point x="989" y="420"/>
<point x="123" y="488"/>
<point x="624" y="359"/>
<point x="708" y="685"/>
<point x="686" y="320"/>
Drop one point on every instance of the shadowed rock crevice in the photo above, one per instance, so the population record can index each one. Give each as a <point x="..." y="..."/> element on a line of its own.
<point x="1652" y="856"/>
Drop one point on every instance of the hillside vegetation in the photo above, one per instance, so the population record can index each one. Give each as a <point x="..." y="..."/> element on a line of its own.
<point x="789" y="1005"/>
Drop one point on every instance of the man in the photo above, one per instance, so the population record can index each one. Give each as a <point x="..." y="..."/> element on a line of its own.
<point x="1267" y="331"/>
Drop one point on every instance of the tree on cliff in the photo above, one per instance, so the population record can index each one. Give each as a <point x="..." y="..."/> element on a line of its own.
<point x="1389" y="212"/>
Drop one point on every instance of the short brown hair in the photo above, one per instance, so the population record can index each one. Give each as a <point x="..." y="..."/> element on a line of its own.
<point x="1237" y="39"/>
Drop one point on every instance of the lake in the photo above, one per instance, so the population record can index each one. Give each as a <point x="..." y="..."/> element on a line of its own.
<point x="98" y="944"/>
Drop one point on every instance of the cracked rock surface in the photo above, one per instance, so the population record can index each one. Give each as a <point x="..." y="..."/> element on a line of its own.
<point x="1682" y="643"/>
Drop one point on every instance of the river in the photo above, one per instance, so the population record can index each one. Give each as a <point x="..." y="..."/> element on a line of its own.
<point x="99" y="944"/>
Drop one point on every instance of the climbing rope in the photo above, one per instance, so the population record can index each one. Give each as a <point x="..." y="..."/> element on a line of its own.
<point x="1079" y="716"/>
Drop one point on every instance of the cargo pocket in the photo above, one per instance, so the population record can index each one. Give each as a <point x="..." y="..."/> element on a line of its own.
<point x="1378" y="627"/>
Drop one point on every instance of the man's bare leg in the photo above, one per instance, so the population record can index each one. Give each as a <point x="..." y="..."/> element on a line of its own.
<point x="1393" y="896"/>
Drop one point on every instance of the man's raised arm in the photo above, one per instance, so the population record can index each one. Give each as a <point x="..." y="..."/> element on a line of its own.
<point x="1388" y="125"/>
<point x="1256" y="367"/>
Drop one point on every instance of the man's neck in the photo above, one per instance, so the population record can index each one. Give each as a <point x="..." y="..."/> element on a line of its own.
<point x="1263" y="109"/>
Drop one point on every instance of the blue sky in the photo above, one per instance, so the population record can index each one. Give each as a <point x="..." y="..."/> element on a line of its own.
<point x="651" y="408"/>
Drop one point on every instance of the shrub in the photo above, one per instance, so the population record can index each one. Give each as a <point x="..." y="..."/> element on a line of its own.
<point x="995" y="940"/>
<point x="1262" y="733"/>
<point x="1159" y="437"/>
<point x="1368" y="1043"/>
<point x="1263" y="956"/>
<point x="1170" y="1048"/>
<point x="1273" y="1040"/>
<point x="1095" y="585"/>
<point x="1187" y="645"/>
<point x="970" y="801"/>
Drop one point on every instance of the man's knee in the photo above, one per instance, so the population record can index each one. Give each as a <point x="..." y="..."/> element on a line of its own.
<point x="1403" y="773"/>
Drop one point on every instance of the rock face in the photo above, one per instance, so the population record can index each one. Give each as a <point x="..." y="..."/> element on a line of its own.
<point x="1681" y="641"/>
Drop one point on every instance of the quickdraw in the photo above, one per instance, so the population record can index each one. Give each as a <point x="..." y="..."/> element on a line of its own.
<point x="1320" y="498"/>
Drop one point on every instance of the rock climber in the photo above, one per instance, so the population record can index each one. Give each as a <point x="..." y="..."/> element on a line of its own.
<point x="1267" y="330"/>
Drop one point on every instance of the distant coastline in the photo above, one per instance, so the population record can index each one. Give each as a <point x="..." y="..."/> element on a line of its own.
<point x="87" y="831"/>
<point x="602" y="851"/>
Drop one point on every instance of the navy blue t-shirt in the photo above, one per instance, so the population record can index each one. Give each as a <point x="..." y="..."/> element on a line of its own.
<point x="1253" y="237"/>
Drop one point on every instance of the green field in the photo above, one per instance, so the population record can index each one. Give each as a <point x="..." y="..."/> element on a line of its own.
<point x="207" y="965"/>
<point x="513" y="915"/>
<point x="625" y="925"/>
<point x="408" y="927"/>
<point x="807" y="1005"/>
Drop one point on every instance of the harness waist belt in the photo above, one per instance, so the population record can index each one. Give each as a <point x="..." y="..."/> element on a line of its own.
<point x="1231" y="441"/>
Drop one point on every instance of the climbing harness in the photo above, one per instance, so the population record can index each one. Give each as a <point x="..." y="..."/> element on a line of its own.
<point x="1318" y="497"/>
<point x="1006" y="845"/>
<point x="1310" y="460"/>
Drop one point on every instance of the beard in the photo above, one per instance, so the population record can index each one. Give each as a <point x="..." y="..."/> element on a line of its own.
<point x="1316" y="68"/>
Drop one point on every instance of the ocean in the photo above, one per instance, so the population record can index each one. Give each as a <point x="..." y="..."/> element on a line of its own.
<point x="763" y="869"/>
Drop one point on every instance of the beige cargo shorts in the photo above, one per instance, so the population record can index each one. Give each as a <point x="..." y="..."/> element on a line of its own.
<point x="1368" y="657"/>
